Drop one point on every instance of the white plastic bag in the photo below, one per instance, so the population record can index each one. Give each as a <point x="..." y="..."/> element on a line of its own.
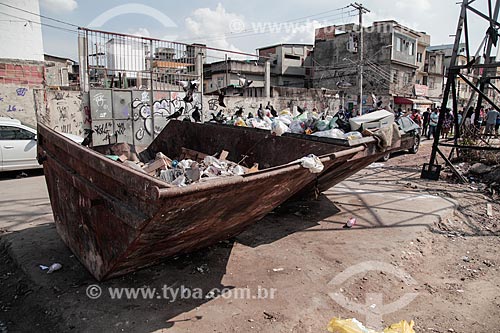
<point x="353" y="136"/>
<point x="334" y="133"/>
<point x="238" y="170"/>
<point x="285" y="119"/>
<point x="278" y="128"/>
<point x="313" y="163"/>
<point x="297" y="127"/>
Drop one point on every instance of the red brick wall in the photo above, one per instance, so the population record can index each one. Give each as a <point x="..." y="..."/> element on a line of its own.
<point x="25" y="74"/>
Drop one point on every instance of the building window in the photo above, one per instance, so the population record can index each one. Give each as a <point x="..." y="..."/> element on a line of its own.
<point x="431" y="83"/>
<point x="398" y="44"/>
<point x="291" y="56"/>
<point x="425" y="80"/>
<point x="220" y="82"/>
<point x="419" y="57"/>
<point x="411" y="48"/>
<point x="395" y="74"/>
<point x="406" y="78"/>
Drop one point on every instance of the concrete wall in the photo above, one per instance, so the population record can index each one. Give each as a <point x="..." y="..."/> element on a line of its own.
<point x="283" y="99"/>
<point x="18" y="79"/>
<point x="63" y="110"/>
<point x="21" y="38"/>
<point x="16" y="101"/>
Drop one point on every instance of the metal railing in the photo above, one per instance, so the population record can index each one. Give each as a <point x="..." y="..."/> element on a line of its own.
<point x="114" y="60"/>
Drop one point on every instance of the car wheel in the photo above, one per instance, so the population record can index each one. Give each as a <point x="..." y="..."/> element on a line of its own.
<point x="385" y="158"/>
<point x="416" y="145"/>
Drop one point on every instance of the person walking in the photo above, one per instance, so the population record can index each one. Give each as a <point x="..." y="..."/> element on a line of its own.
<point x="425" y="121"/>
<point x="491" y="120"/>
<point x="415" y="116"/>
<point x="433" y="122"/>
<point x="447" y="123"/>
<point x="468" y="117"/>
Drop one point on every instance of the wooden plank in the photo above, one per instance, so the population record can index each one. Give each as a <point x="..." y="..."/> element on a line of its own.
<point x="223" y="155"/>
<point x="489" y="210"/>
<point x="152" y="167"/>
<point x="191" y="154"/>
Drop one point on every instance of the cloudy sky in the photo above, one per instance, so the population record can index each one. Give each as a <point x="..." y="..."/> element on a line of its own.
<point x="243" y="25"/>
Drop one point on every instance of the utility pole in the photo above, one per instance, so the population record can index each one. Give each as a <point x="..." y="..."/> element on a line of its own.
<point x="227" y="72"/>
<point x="362" y="10"/>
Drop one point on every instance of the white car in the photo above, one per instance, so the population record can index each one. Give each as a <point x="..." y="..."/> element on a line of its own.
<point x="18" y="145"/>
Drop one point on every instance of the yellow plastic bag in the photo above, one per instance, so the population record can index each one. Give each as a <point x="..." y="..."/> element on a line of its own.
<point x="240" y="122"/>
<point x="402" y="327"/>
<point x="338" y="325"/>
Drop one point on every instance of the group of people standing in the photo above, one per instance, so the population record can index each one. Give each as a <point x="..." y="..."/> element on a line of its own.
<point x="429" y="119"/>
<point x="488" y="122"/>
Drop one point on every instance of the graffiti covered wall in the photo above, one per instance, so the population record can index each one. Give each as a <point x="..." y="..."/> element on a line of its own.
<point x="134" y="116"/>
<point x="16" y="101"/>
<point x="63" y="110"/>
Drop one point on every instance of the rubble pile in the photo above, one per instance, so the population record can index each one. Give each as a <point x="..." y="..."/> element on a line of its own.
<point x="183" y="172"/>
<point x="480" y="173"/>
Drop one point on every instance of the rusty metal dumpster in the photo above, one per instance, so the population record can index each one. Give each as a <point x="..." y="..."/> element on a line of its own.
<point x="117" y="220"/>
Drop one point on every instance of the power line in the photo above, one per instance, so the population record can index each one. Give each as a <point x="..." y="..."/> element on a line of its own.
<point x="238" y="36"/>
<point x="252" y="32"/>
<point x="40" y="23"/>
<point x="39" y="15"/>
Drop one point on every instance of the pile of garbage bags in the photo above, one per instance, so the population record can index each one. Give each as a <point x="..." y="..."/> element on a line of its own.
<point x="310" y="123"/>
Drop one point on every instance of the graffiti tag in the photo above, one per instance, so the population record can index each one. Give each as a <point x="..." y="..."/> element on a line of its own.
<point x="21" y="91"/>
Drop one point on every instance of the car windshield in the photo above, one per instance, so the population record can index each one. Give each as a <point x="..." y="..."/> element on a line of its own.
<point x="406" y="124"/>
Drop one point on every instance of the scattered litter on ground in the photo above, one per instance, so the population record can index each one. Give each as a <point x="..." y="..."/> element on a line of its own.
<point x="52" y="268"/>
<point x="278" y="269"/>
<point x="203" y="269"/>
<point x="350" y="223"/>
<point x="22" y="175"/>
<point x="352" y="325"/>
<point x="376" y="165"/>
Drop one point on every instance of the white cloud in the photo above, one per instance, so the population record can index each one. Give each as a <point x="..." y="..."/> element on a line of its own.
<point x="419" y="5"/>
<point x="213" y="26"/>
<point x="302" y="33"/>
<point x="141" y="32"/>
<point x="60" y="5"/>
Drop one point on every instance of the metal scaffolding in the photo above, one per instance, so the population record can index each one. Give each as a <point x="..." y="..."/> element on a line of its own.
<point x="485" y="66"/>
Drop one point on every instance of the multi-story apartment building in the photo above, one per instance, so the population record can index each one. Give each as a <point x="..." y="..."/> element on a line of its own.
<point x="289" y="63"/>
<point x="393" y="66"/>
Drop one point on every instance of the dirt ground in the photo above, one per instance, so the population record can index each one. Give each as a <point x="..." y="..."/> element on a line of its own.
<point x="447" y="258"/>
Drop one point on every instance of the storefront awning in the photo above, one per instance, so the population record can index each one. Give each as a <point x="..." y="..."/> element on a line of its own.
<point x="410" y="101"/>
